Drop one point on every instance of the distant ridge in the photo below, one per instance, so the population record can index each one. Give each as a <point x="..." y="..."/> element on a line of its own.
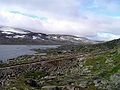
<point x="19" y="36"/>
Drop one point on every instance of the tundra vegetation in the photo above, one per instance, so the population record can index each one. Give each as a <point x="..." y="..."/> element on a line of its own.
<point x="68" y="67"/>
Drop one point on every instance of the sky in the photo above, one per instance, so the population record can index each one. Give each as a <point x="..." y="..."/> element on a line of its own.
<point x="94" y="19"/>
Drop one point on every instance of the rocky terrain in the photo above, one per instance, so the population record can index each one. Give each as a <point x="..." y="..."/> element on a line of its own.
<point x="18" y="36"/>
<point x="73" y="67"/>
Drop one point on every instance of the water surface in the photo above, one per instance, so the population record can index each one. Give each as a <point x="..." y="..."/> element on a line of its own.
<point x="13" y="51"/>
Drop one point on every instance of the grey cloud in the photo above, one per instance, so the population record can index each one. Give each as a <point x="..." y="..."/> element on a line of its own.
<point x="63" y="7"/>
<point x="64" y="16"/>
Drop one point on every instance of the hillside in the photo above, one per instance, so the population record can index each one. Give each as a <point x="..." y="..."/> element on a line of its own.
<point x="84" y="67"/>
<point x="18" y="36"/>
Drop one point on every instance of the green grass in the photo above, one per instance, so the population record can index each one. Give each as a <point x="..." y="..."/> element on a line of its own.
<point x="105" y="70"/>
<point x="35" y="74"/>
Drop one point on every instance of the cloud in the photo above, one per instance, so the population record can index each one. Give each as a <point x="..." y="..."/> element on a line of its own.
<point x="85" y="18"/>
<point x="21" y="21"/>
<point x="106" y="36"/>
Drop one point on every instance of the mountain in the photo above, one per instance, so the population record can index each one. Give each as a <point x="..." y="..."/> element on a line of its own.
<point x="11" y="35"/>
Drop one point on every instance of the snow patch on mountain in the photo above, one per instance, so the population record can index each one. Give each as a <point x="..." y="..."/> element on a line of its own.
<point x="35" y="37"/>
<point x="19" y="36"/>
<point x="78" y="39"/>
<point x="23" y="34"/>
<point x="9" y="37"/>
<point x="9" y="30"/>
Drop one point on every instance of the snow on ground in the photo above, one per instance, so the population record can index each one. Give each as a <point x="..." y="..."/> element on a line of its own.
<point x="7" y="30"/>
<point x="19" y="36"/>
<point x="34" y="37"/>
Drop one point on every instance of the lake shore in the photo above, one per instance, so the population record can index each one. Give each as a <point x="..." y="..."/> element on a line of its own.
<point x="14" y="51"/>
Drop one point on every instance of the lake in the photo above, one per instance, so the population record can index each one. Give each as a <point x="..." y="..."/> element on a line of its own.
<point x="13" y="51"/>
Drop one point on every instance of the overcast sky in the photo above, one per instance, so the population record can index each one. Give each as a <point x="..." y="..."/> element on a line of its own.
<point x="95" y="19"/>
